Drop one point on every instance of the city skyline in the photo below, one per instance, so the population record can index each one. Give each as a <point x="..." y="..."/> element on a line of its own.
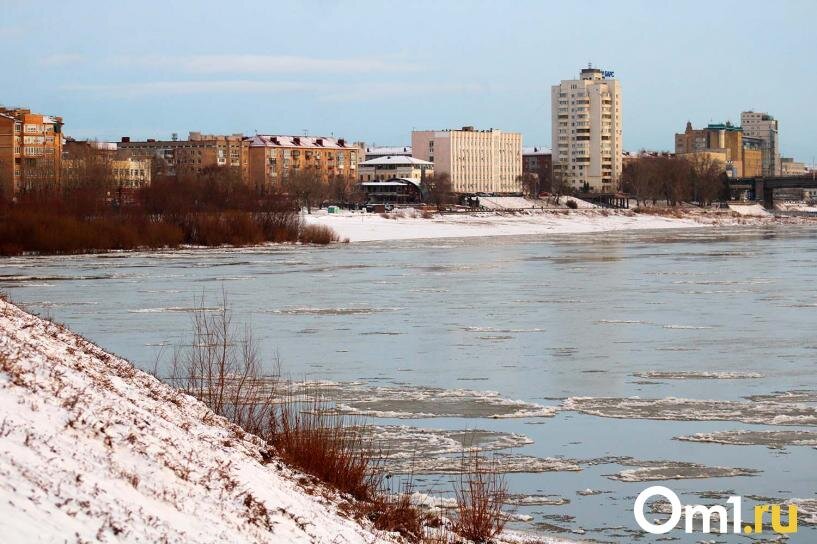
<point x="354" y="74"/>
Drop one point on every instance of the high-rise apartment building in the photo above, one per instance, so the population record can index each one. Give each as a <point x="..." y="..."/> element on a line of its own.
<point x="765" y="127"/>
<point x="273" y="158"/>
<point x="586" y="131"/>
<point x="478" y="161"/>
<point x="30" y="150"/>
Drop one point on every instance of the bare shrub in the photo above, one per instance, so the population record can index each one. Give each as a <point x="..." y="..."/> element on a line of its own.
<point x="222" y="368"/>
<point x="481" y="493"/>
<point x="572" y="204"/>
<point x="318" y="234"/>
<point x="310" y="435"/>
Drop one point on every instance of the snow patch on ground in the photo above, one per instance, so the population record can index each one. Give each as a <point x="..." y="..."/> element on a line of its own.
<point x="93" y="449"/>
<point x="363" y="227"/>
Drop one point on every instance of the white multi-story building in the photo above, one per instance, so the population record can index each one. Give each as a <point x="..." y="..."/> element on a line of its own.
<point x="765" y="127"/>
<point x="478" y="161"/>
<point x="586" y="131"/>
<point x="390" y="167"/>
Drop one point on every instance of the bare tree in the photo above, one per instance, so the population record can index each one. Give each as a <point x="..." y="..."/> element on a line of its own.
<point x="529" y="183"/>
<point x="438" y="190"/>
<point x="306" y="186"/>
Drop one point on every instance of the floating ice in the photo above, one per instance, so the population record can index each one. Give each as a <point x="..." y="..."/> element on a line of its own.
<point x="772" y="439"/>
<point x="679" y="409"/>
<point x="693" y="375"/>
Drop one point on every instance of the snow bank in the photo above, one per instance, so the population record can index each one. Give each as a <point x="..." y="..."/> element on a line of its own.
<point x="362" y="227"/>
<point x="751" y="210"/>
<point x="92" y="449"/>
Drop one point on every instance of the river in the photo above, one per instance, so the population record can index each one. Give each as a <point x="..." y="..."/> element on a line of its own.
<point x="446" y="334"/>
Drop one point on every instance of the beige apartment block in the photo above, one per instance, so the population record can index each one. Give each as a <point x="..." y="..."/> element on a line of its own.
<point x="478" y="161"/>
<point x="586" y="131"/>
<point x="764" y="127"/>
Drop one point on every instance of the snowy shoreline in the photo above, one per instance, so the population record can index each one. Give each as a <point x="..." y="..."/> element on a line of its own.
<point x="411" y="225"/>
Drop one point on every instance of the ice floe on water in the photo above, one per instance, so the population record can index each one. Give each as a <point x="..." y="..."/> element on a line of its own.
<point x="406" y="442"/>
<point x="692" y="375"/>
<point x="680" y="409"/>
<point x="795" y="396"/>
<point x="771" y="439"/>
<point x="536" y="500"/>
<point x="806" y="510"/>
<point x="499" y="462"/>
<point x="677" y="470"/>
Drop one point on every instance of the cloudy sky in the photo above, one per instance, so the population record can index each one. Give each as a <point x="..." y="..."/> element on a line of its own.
<point x="374" y="70"/>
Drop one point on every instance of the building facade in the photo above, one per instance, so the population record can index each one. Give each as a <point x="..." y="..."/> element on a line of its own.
<point x="764" y="127"/>
<point x="198" y="152"/>
<point x="273" y="158"/>
<point x="389" y="167"/>
<point x="790" y="167"/>
<point x="478" y="161"/>
<point x="586" y="131"/>
<point x="537" y="161"/>
<point x="30" y="150"/>
<point x="741" y="156"/>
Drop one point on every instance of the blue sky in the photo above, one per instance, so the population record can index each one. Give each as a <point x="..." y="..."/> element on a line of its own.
<point x="374" y="70"/>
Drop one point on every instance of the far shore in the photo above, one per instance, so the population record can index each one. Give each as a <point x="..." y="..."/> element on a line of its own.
<point x="411" y="224"/>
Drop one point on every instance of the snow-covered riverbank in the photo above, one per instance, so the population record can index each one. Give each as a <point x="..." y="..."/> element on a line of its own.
<point x="92" y="449"/>
<point x="362" y="227"/>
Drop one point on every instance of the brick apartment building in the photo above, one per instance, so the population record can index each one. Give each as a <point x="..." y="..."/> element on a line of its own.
<point x="198" y="152"/>
<point x="273" y="158"/>
<point x="30" y="150"/>
<point x="538" y="161"/>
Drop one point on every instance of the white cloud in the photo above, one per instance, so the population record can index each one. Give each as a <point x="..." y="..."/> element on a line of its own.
<point x="61" y="59"/>
<point x="328" y="92"/>
<point x="191" y="87"/>
<point x="264" y="64"/>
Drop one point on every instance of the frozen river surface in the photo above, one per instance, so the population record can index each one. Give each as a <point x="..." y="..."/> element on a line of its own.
<point x="592" y="366"/>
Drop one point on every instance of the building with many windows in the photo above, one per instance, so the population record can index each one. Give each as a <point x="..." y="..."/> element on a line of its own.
<point x="742" y="156"/>
<point x="586" y="131"/>
<point x="384" y="168"/>
<point x="538" y="161"/>
<point x="478" y="161"/>
<point x="30" y="150"/>
<point x="764" y="127"/>
<point x="273" y="158"/>
<point x="198" y="152"/>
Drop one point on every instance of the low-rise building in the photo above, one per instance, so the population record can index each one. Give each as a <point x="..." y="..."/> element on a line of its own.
<point x="392" y="191"/>
<point x="273" y="158"/>
<point x="91" y="161"/>
<point x="394" y="166"/>
<point x="539" y="162"/>
<point x="790" y="167"/>
<point x="478" y="161"/>
<point x="198" y="152"/>
<point x="30" y="150"/>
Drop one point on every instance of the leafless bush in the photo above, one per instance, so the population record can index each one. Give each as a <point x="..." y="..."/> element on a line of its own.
<point x="223" y="369"/>
<point x="310" y="435"/>
<point x="572" y="204"/>
<point x="481" y="493"/>
<point x="318" y="234"/>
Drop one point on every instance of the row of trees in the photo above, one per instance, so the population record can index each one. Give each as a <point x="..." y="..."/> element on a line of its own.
<point x="699" y="179"/>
